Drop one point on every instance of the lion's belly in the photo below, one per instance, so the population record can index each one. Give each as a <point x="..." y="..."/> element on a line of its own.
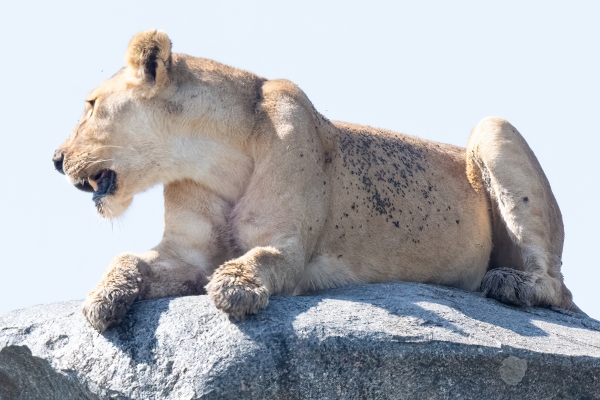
<point x="403" y="209"/>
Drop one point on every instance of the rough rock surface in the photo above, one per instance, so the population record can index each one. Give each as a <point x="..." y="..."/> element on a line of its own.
<point x="389" y="341"/>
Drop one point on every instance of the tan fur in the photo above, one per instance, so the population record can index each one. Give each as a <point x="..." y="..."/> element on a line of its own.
<point x="264" y="195"/>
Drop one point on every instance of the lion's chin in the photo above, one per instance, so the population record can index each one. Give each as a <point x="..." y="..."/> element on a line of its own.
<point x="111" y="207"/>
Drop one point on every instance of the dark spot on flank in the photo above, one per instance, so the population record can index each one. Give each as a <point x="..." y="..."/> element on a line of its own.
<point x="457" y="221"/>
<point x="339" y="256"/>
<point x="525" y="199"/>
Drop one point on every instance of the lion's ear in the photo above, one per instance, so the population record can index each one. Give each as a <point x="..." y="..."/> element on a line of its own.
<point x="149" y="55"/>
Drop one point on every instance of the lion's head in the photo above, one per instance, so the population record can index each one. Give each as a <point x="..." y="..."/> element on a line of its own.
<point x="111" y="151"/>
<point x="162" y="118"/>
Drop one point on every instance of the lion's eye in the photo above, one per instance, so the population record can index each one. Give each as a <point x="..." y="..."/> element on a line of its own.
<point x="89" y="107"/>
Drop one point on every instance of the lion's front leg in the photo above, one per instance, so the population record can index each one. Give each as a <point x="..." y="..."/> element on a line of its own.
<point x="178" y="266"/>
<point x="129" y="277"/>
<point x="243" y="285"/>
<point x="122" y="283"/>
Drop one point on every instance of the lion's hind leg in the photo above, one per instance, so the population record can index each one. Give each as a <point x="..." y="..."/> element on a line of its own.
<point x="527" y="225"/>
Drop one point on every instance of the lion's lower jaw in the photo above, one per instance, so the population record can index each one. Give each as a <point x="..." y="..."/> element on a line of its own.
<point x="110" y="207"/>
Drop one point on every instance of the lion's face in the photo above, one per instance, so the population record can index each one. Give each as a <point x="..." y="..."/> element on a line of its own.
<point x="113" y="150"/>
<point x="100" y="154"/>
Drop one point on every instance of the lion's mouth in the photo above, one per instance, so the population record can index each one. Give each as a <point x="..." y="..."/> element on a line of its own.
<point x="102" y="184"/>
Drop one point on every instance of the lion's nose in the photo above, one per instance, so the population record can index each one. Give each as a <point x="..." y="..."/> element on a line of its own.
<point x="58" y="161"/>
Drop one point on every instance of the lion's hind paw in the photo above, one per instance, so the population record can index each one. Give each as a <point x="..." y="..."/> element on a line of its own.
<point x="509" y="286"/>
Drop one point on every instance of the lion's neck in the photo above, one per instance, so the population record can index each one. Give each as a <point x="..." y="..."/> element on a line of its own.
<point x="210" y="126"/>
<point x="221" y="167"/>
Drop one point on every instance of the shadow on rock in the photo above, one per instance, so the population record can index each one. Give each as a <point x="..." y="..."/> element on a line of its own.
<point x="136" y="335"/>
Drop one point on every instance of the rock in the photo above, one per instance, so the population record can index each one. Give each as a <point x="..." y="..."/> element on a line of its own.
<point x="386" y="341"/>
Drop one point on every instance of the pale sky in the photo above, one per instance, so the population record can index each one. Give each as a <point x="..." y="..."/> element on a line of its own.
<point x="429" y="68"/>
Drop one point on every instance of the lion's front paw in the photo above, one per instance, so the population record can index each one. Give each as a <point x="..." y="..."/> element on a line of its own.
<point x="509" y="286"/>
<point x="121" y="284"/>
<point x="105" y="307"/>
<point x="236" y="291"/>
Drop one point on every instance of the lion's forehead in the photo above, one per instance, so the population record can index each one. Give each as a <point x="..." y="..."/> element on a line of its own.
<point x="114" y="85"/>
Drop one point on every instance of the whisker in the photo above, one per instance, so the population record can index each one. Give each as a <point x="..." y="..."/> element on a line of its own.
<point x="108" y="145"/>
<point x="88" y="163"/>
<point x="97" y="161"/>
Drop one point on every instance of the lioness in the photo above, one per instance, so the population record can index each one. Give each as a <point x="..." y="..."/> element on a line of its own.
<point x="265" y="195"/>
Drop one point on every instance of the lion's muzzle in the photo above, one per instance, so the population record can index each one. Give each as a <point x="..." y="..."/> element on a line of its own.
<point x="102" y="184"/>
